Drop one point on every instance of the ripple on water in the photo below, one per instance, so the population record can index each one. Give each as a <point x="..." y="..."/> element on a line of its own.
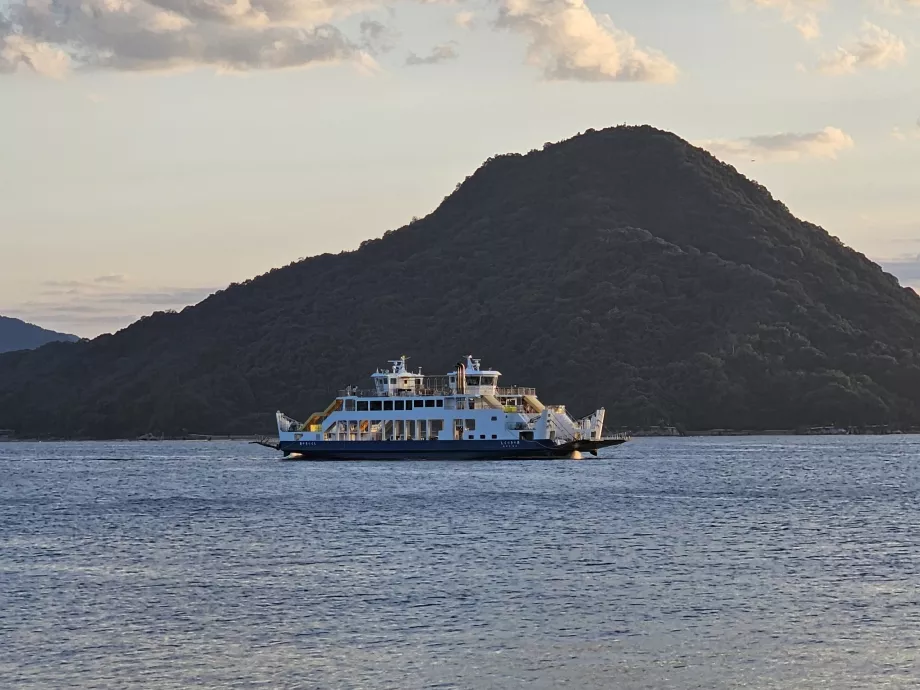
<point x="668" y="563"/>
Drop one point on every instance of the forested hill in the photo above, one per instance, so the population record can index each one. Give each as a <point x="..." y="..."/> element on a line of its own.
<point x="622" y="268"/>
<point x="19" y="335"/>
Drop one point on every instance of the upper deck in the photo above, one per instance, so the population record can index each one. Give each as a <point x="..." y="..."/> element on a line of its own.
<point x="429" y="390"/>
<point x="468" y="378"/>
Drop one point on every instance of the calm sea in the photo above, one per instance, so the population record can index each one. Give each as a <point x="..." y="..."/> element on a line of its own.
<point x="667" y="563"/>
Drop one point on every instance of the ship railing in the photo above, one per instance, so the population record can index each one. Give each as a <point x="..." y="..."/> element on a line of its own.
<point x="374" y="393"/>
<point x="515" y="390"/>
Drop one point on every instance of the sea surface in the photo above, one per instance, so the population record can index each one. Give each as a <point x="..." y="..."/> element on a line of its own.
<point x="666" y="563"/>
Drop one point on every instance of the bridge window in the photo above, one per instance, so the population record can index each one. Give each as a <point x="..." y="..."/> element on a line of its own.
<point x="349" y="405"/>
<point x="387" y="404"/>
<point x="440" y="403"/>
<point x="429" y="403"/>
<point x="400" y="405"/>
<point x="375" y="405"/>
<point x="362" y="406"/>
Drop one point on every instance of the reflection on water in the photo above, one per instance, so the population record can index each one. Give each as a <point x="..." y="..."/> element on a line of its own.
<point x="669" y="563"/>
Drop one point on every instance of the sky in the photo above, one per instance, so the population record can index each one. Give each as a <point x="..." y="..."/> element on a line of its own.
<point x="157" y="150"/>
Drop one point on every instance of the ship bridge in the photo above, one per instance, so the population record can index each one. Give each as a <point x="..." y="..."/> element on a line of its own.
<point x="398" y="380"/>
<point x="469" y="378"/>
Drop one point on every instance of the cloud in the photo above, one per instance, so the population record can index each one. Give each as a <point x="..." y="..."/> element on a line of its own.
<point x="802" y="14"/>
<point x="109" y="279"/>
<point x="876" y="48"/>
<point x="894" y="6"/>
<point x="95" y="285"/>
<point x="906" y="268"/>
<point x="465" y="19"/>
<point x="438" y="54"/>
<point x="84" y="325"/>
<point x="906" y="134"/>
<point x="81" y="297"/>
<point x="789" y="146"/>
<point x="168" y="297"/>
<point x="54" y="36"/>
<point x="104" y="302"/>
<point x="70" y="284"/>
<point x="570" y="42"/>
<point x="376" y="37"/>
<point x="42" y="57"/>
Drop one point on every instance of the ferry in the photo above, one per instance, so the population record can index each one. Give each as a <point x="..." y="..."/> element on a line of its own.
<point x="463" y="415"/>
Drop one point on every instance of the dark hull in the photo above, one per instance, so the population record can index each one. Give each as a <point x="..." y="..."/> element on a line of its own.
<point x="440" y="450"/>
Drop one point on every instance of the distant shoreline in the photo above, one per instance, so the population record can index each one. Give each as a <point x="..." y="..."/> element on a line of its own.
<point x="642" y="433"/>
<point x="813" y="431"/>
<point x="141" y="439"/>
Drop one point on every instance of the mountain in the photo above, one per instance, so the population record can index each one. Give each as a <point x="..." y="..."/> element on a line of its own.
<point x="622" y="267"/>
<point x="19" y="335"/>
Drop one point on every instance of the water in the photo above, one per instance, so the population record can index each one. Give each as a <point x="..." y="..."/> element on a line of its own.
<point x="669" y="563"/>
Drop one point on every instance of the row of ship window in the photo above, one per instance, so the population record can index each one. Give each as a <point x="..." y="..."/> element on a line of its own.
<point x="377" y="405"/>
<point x="403" y="430"/>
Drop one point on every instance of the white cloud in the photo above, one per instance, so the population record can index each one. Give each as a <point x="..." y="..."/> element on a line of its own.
<point x="44" y="58"/>
<point x="789" y="146"/>
<point x="570" y="42"/>
<point x="167" y="21"/>
<point x="51" y="36"/>
<point x="876" y="48"/>
<point x="802" y="14"/>
<point x="465" y="19"/>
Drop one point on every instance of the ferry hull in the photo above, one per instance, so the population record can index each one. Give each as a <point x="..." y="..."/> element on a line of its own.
<point x="439" y="450"/>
